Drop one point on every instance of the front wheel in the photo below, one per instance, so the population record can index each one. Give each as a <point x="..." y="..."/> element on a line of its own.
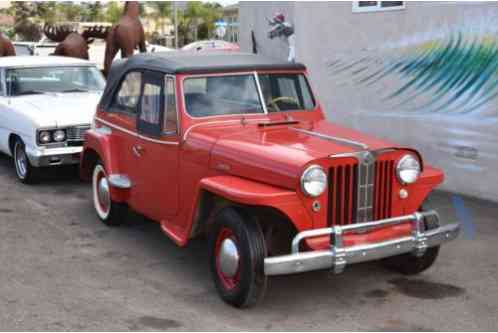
<point x="25" y="172"/>
<point x="110" y="213"/>
<point x="236" y="253"/>
<point x="409" y="264"/>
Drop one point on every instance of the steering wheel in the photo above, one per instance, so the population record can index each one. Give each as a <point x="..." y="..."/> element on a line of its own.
<point x="274" y="101"/>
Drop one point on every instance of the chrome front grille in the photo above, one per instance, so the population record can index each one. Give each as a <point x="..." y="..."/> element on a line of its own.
<point x="365" y="190"/>
<point x="360" y="191"/>
<point x="77" y="133"/>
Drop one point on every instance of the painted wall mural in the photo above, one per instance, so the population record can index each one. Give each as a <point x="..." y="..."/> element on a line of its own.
<point x="438" y="90"/>
<point x="455" y="75"/>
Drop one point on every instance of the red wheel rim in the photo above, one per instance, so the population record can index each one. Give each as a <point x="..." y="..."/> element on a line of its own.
<point x="228" y="282"/>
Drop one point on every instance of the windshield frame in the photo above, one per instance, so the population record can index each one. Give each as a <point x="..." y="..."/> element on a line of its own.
<point x="259" y="91"/>
<point x="5" y="86"/>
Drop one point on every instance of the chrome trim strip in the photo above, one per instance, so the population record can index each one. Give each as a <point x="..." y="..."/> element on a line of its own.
<point x="339" y="140"/>
<point x="339" y="256"/>
<point x="127" y="131"/>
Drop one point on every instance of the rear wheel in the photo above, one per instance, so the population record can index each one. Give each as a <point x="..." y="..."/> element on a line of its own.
<point x="25" y="172"/>
<point x="408" y="263"/>
<point x="237" y="252"/>
<point x="110" y="213"/>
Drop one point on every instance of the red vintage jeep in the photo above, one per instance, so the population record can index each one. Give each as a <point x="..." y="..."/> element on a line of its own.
<point x="236" y="146"/>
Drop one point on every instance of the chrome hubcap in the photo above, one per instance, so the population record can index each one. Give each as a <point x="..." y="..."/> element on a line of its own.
<point x="103" y="188"/>
<point x="229" y="258"/>
<point x="21" y="161"/>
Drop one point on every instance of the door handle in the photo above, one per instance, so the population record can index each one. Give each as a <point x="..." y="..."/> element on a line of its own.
<point x="138" y="150"/>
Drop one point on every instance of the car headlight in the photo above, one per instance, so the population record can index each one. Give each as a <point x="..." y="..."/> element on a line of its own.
<point x="313" y="181"/>
<point x="59" y="135"/>
<point x="45" y="137"/>
<point x="408" y="169"/>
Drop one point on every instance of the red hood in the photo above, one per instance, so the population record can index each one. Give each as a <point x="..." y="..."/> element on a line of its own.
<point x="277" y="154"/>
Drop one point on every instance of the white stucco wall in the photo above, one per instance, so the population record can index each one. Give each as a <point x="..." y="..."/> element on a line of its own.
<point x="342" y="50"/>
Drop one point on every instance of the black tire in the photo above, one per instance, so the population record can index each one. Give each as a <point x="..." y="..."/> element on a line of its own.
<point x="25" y="172"/>
<point x="409" y="264"/>
<point x="110" y="213"/>
<point x="248" y="284"/>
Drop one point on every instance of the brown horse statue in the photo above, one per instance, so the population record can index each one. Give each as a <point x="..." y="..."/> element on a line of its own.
<point x="127" y="35"/>
<point x="6" y="47"/>
<point x="71" y="43"/>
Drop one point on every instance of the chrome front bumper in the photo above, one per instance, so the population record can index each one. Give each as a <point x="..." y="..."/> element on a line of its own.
<point x="44" y="156"/>
<point x="339" y="256"/>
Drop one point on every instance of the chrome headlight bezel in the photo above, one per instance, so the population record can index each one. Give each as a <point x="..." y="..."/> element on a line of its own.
<point x="313" y="174"/>
<point x="408" y="169"/>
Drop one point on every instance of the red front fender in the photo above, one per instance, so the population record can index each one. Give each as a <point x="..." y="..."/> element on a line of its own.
<point x="98" y="147"/>
<point x="248" y="192"/>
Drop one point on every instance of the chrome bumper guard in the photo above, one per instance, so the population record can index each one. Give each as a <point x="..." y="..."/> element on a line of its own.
<point x="339" y="256"/>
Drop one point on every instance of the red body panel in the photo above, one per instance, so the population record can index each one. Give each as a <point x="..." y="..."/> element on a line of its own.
<point x="234" y="157"/>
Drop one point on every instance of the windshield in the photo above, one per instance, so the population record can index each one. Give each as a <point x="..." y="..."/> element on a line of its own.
<point x="23" y="50"/>
<point x="27" y="81"/>
<point x="238" y="94"/>
<point x="221" y="95"/>
<point x="286" y="92"/>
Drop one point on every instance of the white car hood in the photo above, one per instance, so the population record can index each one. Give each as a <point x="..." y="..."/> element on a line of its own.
<point x="58" y="109"/>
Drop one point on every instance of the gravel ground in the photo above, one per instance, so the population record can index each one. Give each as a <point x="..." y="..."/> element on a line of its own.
<point x="61" y="269"/>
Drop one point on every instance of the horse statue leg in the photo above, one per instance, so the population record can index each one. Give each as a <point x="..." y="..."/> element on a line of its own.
<point x="110" y="51"/>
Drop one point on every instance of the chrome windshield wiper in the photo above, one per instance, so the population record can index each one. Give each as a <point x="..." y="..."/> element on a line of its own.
<point x="75" y="90"/>
<point x="30" y="92"/>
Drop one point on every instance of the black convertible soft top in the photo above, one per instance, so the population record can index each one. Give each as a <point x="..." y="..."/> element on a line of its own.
<point x="176" y="62"/>
<point x="204" y="62"/>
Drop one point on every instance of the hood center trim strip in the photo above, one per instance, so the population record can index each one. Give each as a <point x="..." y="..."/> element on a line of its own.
<point x="351" y="143"/>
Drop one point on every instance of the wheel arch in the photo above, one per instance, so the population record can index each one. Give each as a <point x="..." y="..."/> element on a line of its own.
<point x="274" y="207"/>
<point x="97" y="147"/>
<point x="89" y="159"/>
<point x="12" y="140"/>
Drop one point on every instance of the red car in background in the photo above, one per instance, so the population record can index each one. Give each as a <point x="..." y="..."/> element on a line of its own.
<point x="211" y="45"/>
<point x="236" y="146"/>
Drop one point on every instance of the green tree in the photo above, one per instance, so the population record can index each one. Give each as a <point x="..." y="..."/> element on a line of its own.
<point x="70" y="11"/>
<point x="197" y="21"/>
<point x="113" y="12"/>
<point x="24" y="26"/>
<point x="46" y="12"/>
<point x="94" y="11"/>
<point x="162" y="11"/>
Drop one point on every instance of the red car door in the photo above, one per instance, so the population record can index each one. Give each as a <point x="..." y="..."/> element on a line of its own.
<point x="121" y="118"/>
<point x="157" y="148"/>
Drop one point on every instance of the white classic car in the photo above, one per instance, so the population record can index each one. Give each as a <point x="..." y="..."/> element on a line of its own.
<point x="46" y="105"/>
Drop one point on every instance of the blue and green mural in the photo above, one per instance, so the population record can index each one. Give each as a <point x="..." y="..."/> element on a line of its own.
<point x="457" y="74"/>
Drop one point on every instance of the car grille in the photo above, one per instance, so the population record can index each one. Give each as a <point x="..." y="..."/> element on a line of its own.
<point x="77" y="133"/>
<point x="360" y="192"/>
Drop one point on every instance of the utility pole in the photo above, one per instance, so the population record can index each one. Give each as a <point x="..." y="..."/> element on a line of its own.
<point x="176" y="24"/>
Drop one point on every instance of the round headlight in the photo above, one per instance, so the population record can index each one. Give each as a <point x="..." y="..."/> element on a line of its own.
<point x="45" y="137"/>
<point x="313" y="181"/>
<point x="408" y="169"/>
<point x="59" y="135"/>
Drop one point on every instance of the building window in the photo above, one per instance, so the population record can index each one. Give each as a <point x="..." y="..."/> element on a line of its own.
<point x="376" y="6"/>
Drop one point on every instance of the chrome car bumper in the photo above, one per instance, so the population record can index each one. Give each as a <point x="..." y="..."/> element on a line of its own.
<point x="339" y="256"/>
<point x="41" y="157"/>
